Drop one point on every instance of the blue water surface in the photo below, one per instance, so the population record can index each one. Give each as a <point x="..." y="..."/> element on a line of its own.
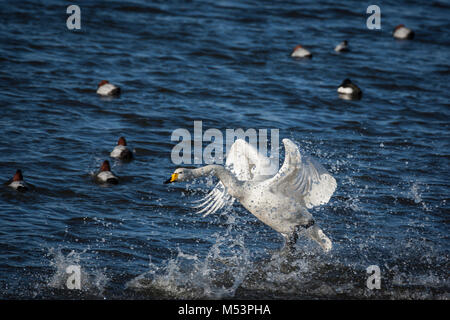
<point x="227" y="64"/>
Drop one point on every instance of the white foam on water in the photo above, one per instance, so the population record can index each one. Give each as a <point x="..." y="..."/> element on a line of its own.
<point x="216" y="275"/>
<point x="416" y="195"/>
<point x="91" y="280"/>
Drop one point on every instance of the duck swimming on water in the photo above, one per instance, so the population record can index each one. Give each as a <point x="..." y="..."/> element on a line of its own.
<point x="349" y="91"/>
<point x="105" y="175"/>
<point x="121" y="150"/>
<point x="403" y="33"/>
<point x="342" y="47"/>
<point x="17" y="182"/>
<point x="107" y="89"/>
<point x="300" y="52"/>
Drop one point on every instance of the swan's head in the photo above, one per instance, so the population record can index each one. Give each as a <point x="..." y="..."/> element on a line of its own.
<point x="317" y="235"/>
<point x="180" y="175"/>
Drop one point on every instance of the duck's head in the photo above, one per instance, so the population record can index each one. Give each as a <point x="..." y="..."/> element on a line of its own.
<point x="180" y="175"/>
<point x="346" y="82"/>
<point x="122" y="142"/>
<point x="102" y="83"/>
<point x="18" y="176"/>
<point x="297" y="48"/>
<point x="399" y="26"/>
<point x="105" y="166"/>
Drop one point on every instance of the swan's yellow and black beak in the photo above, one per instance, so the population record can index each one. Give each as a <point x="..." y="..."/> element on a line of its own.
<point x="173" y="178"/>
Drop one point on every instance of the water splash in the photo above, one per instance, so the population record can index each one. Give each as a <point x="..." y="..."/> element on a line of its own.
<point x="91" y="280"/>
<point x="416" y="195"/>
<point x="217" y="275"/>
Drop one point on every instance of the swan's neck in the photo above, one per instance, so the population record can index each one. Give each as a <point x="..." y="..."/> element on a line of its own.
<point x="233" y="185"/>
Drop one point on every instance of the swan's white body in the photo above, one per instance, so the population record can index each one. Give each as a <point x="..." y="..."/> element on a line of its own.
<point x="279" y="199"/>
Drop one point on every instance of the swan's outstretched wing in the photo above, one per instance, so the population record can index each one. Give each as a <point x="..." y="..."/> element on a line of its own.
<point x="215" y="200"/>
<point x="303" y="178"/>
<point x="246" y="163"/>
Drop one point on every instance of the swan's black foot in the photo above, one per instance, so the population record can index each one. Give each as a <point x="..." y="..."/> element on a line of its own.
<point x="291" y="240"/>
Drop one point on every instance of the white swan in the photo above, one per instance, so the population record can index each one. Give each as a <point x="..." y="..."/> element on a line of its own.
<point x="279" y="200"/>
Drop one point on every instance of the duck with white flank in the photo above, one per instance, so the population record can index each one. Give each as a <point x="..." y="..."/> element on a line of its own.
<point x="349" y="91"/>
<point x="105" y="175"/>
<point x="279" y="200"/>
<point x="121" y="151"/>
<point x="342" y="47"/>
<point x="107" y="89"/>
<point x="300" y="52"/>
<point x="403" y="33"/>
<point x="17" y="182"/>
